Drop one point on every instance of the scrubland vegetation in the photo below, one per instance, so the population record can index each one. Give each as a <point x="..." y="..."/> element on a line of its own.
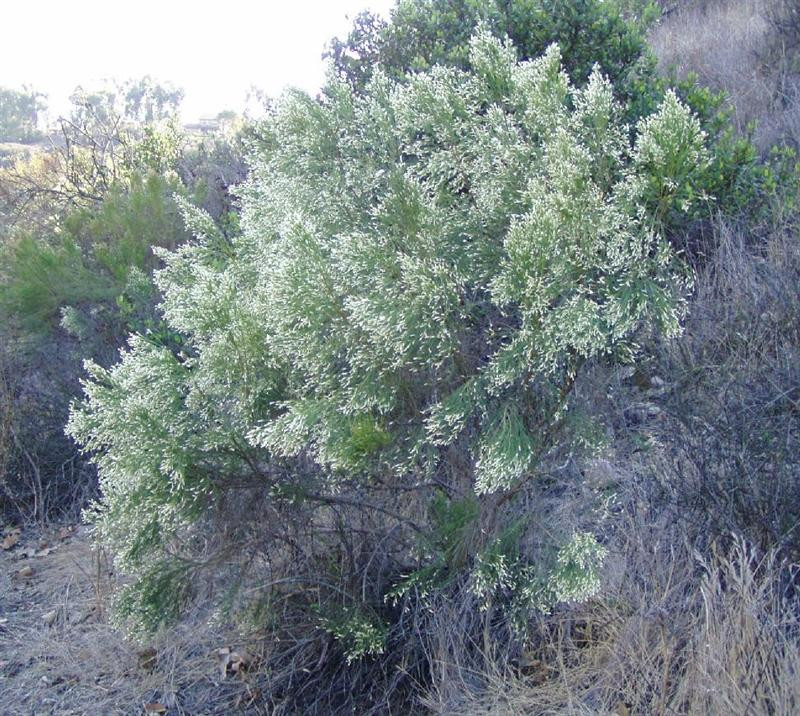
<point x="468" y="386"/>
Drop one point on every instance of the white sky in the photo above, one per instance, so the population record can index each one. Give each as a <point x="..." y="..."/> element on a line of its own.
<point x="215" y="51"/>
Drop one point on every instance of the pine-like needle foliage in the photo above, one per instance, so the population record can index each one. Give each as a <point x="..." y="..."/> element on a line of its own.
<point x="423" y="270"/>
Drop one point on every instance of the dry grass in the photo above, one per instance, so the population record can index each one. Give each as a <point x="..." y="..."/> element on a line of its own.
<point x="59" y="655"/>
<point x="732" y="45"/>
<point x="6" y="408"/>
<point x="673" y="634"/>
<point x="731" y="427"/>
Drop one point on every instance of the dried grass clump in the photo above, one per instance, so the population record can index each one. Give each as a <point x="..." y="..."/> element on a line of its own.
<point x="750" y="49"/>
<point x="731" y="424"/>
<point x="676" y="633"/>
<point x="42" y="475"/>
<point x="744" y="656"/>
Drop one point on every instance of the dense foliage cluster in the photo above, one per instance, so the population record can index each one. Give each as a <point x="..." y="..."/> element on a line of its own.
<point x="422" y="271"/>
<point x="607" y="33"/>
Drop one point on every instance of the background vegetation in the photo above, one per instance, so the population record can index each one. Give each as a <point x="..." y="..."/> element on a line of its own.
<point x="81" y="214"/>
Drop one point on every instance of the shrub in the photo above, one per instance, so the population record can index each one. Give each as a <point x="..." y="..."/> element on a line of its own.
<point x="422" y="272"/>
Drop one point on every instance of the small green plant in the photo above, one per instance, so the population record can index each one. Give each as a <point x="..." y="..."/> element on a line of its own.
<point x="576" y="576"/>
<point x="360" y="635"/>
<point x="443" y="551"/>
<point x="500" y="576"/>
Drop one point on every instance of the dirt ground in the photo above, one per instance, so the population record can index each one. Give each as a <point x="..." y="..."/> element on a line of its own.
<point x="59" y="655"/>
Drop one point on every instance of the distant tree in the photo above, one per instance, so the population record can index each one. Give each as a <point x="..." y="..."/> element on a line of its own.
<point x="96" y="103"/>
<point x="20" y="111"/>
<point x="139" y="101"/>
<point x="227" y="116"/>
<point x="145" y="100"/>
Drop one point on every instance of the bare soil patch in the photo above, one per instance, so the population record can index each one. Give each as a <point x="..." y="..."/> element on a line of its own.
<point x="59" y="654"/>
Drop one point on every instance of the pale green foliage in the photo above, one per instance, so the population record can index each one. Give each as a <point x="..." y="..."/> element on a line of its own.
<point x="576" y="576"/>
<point x="359" y="634"/>
<point x="493" y="572"/>
<point x="420" y="265"/>
<point x="505" y="452"/>
<point x="159" y="148"/>
<point x="676" y="147"/>
<point x="147" y="480"/>
<point x="466" y="232"/>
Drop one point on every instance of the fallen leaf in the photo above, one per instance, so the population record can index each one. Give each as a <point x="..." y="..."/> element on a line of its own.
<point x="10" y="540"/>
<point x="147" y="658"/>
<point x="224" y="656"/>
<point x="239" y="661"/>
<point x="232" y="662"/>
<point x="155" y="708"/>
<point x="50" y="617"/>
<point x="26" y="571"/>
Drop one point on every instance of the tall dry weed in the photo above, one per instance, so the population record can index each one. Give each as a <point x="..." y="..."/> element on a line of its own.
<point x="678" y="633"/>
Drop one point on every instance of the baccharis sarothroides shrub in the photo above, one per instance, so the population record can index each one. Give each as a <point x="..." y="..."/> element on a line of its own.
<point x="422" y="271"/>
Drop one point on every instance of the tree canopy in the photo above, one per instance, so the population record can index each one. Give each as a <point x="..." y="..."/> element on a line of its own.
<point x="20" y="112"/>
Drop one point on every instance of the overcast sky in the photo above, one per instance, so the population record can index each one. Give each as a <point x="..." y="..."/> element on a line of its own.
<point x="215" y="50"/>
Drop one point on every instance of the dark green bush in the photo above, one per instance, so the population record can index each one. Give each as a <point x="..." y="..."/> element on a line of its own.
<point x="423" y="33"/>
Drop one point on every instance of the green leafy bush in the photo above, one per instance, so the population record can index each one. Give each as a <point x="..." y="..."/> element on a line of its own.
<point x="422" y="271"/>
<point x="89" y="260"/>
